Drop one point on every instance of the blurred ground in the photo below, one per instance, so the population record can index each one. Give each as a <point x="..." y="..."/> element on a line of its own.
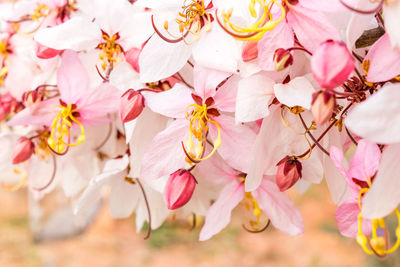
<point x="110" y="243"/>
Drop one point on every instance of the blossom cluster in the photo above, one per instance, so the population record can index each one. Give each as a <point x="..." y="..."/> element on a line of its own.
<point x="196" y="107"/>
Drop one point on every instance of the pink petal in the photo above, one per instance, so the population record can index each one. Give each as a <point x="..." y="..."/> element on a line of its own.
<point x="164" y="155"/>
<point x="346" y="217"/>
<point x="365" y="161"/>
<point x="171" y="103"/>
<point x="72" y="77"/>
<point x="280" y="37"/>
<point x="337" y="157"/>
<point x="384" y="61"/>
<point x="215" y="170"/>
<point x="237" y="142"/>
<point x="311" y="27"/>
<point x="206" y="80"/>
<point x="99" y="102"/>
<point x="225" y="97"/>
<point x="219" y="214"/>
<point x="279" y="208"/>
<point x="384" y="195"/>
<point x="38" y="114"/>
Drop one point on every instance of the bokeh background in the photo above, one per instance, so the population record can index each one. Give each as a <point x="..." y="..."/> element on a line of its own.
<point x="114" y="243"/>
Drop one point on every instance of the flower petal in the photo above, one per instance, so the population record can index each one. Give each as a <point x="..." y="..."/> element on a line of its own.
<point x="298" y="92"/>
<point x="219" y="214"/>
<point x="164" y="155"/>
<point x="72" y="77"/>
<point x="370" y="119"/>
<point x="171" y="103"/>
<point x="78" y="33"/>
<point x="384" y="60"/>
<point x="346" y="217"/>
<point x="384" y="195"/>
<point x="236" y="141"/>
<point x="279" y="208"/>
<point x="254" y="95"/>
<point x="160" y="59"/>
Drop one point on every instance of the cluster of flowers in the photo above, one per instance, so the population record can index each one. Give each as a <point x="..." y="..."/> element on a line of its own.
<point x="195" y="106"/>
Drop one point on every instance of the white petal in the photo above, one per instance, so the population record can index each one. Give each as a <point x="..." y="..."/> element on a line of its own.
<point x="77" y="34"/>
<point x="160" y="59"/>
<point x="392" y="22"/>
<point x="378" y="118"/>
<point x="217" y="50"/>
<point x="298" y="92"/>
<point x="124" y="198"/>
<point x="254" y="95"/>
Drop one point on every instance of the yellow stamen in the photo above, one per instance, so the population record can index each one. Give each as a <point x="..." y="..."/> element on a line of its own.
<point x="41" y="10"/>
<point x="254" y="31"/>
<point x="199" y="129"/>
<point x="189" y="20"/>
<point x="60" y="129"/>
<point x="111" y="51"/>
<point x="377" y="244"/>
<point x="251" y="204"/>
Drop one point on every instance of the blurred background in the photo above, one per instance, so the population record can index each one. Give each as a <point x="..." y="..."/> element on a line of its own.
<point x="108" y="242"/>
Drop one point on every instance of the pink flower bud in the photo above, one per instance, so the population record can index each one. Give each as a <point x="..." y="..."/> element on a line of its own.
<point x="132" y="57"/>
<point x="179" y="189"/>
<point x="289" y="172"/>
<point x="132" y="104"/>
<point x="282" y="59"/>
<point x="45" y="52"/>
<point x="331" y="64"/>
<point x="250" y="51"/>
<point x="322" y="106"/>
<point x="23" y="150"/>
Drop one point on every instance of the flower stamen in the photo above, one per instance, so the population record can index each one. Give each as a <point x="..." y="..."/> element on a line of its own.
<point x="254" y="31"/>
<point x="198" y="128"/>
<point x="60" y="129"/>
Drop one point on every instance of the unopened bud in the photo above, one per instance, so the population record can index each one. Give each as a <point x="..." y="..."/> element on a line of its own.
<point x="322" y="106"/>
<point x="23" y="150"/>
<point x="179" y="189"/>
<point x="132" y="104"/>
<point x="331" y="64"/>
<point x="282" y="59"/>
<point x="289" y="172"/>
<point x="250" y="51"/>
<point x="45" y="52"/>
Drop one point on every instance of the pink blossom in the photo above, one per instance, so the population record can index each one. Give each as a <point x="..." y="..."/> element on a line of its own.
<point x="363" y="168"/>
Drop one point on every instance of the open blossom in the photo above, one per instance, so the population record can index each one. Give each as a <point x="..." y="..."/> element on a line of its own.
<point x="78" y="105"/>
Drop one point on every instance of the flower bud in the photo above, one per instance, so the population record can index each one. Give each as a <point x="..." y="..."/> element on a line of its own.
<point x="23" y="150"/>
<point x="45" y="52"/>
<point x="179" y="189"/>
<point x="289" y="172"/>
<point x="132" y="104"/>
<point x="132" y="57"/>
<point x="322" y="106"/>
<point x="331" y="64"/>
<point x="250" y="51"/>
<point x="282" y="59"/>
